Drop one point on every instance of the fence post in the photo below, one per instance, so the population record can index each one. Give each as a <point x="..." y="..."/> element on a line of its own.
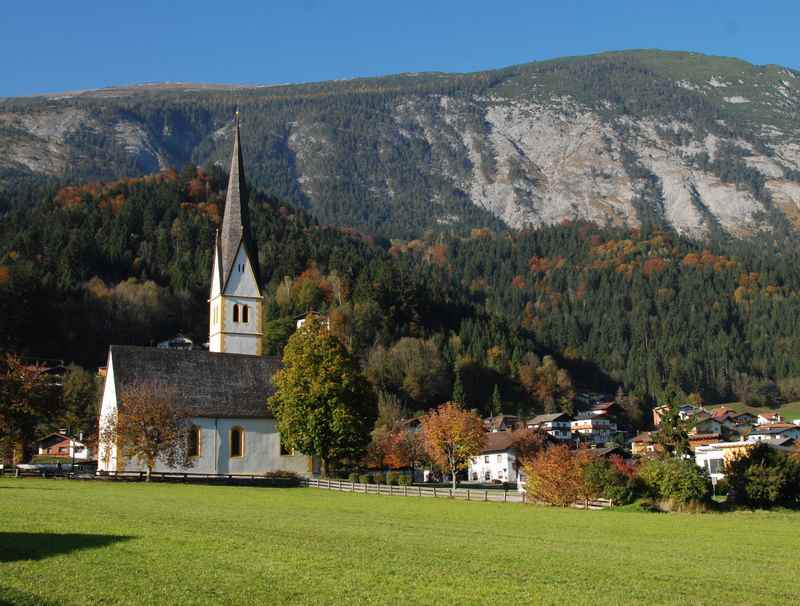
<point x="434" y="491"/>
<point x="419" y="489"/>
<point x="523" y="497"/>
<point x="485" y="495"/>
<point x="467" y="494"/>
<point x="505" y="495"/>
<point x="451" y="492"/>
<point x="405" y="491"/>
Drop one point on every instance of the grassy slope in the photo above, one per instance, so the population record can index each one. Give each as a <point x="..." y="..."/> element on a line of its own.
<point x="790" y="410"/>
<point x="207" y="545"/>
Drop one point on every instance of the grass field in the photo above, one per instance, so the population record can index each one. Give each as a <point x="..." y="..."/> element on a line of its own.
<point x="76" y="542"/>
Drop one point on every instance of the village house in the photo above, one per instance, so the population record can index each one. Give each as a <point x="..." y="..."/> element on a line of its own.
<point x="767" y="418"/>
<point x="594" y="429"/>
<point x="644" y="444"/>
<point x="223" y="390"/>
<point x="63" y="446"/>
<point x="557" y="425"/>
<point x="775" y="432"/>
<point x="497" y="461"/>
<point x="502" y="423"/>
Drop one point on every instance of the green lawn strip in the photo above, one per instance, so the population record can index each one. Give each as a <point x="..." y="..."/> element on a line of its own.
<point x="237" y="545"/>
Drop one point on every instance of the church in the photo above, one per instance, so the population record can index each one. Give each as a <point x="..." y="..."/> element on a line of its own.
<point x="224" y="389"/>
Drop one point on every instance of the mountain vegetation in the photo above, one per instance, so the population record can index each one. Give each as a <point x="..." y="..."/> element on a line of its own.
<point x="706" y="145"/>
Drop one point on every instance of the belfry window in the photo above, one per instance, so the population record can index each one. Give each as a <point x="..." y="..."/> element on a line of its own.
<point x="235" y="313"/>
<point x="245" y="313"/>
<point x="237" y="442"/>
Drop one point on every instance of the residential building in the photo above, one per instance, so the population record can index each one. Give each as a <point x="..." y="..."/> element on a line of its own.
<point x="644" y="443"/>
<point x="63" y="446"/>
<point x="557" y="425"/>
<point x="595" y="429"/>
<point x="775" y="431"/>
<point x="767" y="418"/>
<point x="502" y="423"/>
<point x="497" y="461"/>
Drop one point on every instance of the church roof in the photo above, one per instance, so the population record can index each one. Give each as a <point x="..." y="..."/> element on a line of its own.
<point x="207" y="384"/>
<point x="236" y="221"/>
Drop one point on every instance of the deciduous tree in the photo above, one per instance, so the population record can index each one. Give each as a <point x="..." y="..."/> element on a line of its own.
<point x="148" y="425"/>
<point x="323" y="404"/>
<point x="452" y="436"/>
<point x="556" y="475"/>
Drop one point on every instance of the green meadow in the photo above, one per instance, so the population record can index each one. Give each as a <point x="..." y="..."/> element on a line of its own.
<point x="87" y="542"/>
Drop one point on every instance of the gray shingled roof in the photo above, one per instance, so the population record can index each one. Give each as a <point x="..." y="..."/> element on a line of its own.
<point x="207" y="384"/>
<point x="549" y="418"/>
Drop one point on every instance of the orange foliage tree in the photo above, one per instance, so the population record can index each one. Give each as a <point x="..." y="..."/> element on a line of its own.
<point x="555" y="475"/>
<point x="405" y="449"/>
<point x="452" y="436"/>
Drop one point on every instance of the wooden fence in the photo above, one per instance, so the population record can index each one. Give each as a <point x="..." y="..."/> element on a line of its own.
<point x="464" y="494"/>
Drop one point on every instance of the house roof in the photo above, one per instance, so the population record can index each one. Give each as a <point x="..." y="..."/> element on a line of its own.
<point x="60" y="437"/>
<point x="207" y="384"/>
<point x="549" y="418"/>
<point x="498" y="441"/>
<point x="774" y="428"/>
<point x="645" y="437"/>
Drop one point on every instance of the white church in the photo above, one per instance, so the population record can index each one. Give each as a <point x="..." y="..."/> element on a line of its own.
<point x="226" y="388"/>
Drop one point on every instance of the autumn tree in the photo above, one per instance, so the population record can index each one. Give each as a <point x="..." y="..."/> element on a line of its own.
<point x="556" y="475"/>
<point x="148" y="425"/>
<point x="406" y="448"/>
<point x="527" y="443"/>
<point x="452" y="437"/>
<point x="26" y="398"/>
<point x="323" y="404"/>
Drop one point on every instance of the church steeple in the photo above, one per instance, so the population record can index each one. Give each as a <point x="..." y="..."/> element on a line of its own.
<point x="236" y="301"/>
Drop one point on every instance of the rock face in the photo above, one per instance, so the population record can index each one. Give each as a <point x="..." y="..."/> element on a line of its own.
<point x="696" y="143"/>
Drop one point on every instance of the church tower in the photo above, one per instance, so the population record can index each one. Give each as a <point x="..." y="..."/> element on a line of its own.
<point x="236" y="303"/>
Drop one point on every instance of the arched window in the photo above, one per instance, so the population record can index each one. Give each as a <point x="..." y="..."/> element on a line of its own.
<point x="235" y="313"/>
<point x="245" y="313"/>
<point x="193" y="446"/>
<point x="237" y="442"/>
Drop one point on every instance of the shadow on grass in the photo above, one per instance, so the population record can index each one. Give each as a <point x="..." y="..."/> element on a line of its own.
<point x="36" y="546"/>
<point x="13" y="597"/>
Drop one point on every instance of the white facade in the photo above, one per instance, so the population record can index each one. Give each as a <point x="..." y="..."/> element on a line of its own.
<point x="493" y="466"/>
<point x="235" y="309"/>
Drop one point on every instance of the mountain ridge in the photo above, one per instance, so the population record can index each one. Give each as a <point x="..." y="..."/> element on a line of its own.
<point x="699" y="143"/>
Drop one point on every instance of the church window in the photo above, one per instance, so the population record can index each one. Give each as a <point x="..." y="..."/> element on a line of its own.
<point x="245" y="313"/>
<point x="235" y="313"/>
<point x="237" y="442"/>
<point x="193" y="446"/>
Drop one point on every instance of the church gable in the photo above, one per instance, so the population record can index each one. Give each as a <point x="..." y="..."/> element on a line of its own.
<point x="242" y="279"/>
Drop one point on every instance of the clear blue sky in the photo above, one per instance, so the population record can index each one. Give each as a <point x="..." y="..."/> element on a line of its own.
<point x="59" y="45"/>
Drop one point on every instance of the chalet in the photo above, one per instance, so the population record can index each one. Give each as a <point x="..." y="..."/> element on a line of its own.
<point x="595" y="429"/>
<point x="744" y="418"/>
<point x="497" y="461"/>
<point x="775" y="431"/>
<point x="502" y="423"/>
<point x="557" y="425"/>
<point x="224" y="390"/>
<point x="644" y="443"/>
<point x="768" y="418"/>
<point x="63" y="446"/>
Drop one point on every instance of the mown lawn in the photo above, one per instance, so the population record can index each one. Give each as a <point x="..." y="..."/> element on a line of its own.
<point x="84" y="542"/>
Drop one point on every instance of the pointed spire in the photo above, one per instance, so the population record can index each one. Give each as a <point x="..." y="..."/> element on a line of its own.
<point x="235" y="223"/>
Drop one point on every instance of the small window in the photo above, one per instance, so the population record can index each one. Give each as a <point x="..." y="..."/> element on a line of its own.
<point x="193" y="447"/>
<point x="237" y="442"/>
<point x="499" y="458"/>
<point x="486" y="459"/>
<point x="235" y="313"/>
<point x="487" y="475"/>
<point x="245" y="313"/>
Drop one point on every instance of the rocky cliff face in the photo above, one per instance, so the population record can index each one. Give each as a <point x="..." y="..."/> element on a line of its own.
<point x="697" y="143"/>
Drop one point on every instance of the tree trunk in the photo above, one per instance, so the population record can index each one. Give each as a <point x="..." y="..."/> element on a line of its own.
<point x="323" y="467"/>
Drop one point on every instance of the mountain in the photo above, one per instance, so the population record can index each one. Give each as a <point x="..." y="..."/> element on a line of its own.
<point x="706" y="145"/>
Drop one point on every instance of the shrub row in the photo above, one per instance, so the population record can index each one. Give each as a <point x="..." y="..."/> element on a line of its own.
<point x="392" y="478"/>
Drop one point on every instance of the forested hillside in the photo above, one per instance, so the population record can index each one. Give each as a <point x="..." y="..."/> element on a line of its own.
<point x="705" y="145"/>
<point x="533" y="314"/>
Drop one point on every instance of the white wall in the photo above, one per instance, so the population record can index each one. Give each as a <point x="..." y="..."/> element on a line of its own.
<point x="107" y="453"/>
<point x="500" y="467"/>
<point x="261" y="450"/>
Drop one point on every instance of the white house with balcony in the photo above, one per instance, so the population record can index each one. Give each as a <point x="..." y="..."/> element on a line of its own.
<point x="557" y="425"/>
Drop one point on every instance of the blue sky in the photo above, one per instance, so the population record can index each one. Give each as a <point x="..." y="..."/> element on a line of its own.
<point x="58" y="45"/>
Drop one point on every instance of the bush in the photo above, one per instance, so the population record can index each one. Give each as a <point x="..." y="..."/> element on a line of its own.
<point x="721" y="487"/>
<point x="605" y="479"/>
<point x="378" y="478"/>
<point x="354" y="477"/>
<point x="404" y="480"/>
<point x="764" y="477"/>
<point x="365" y="478"/>
<point x="677" y="481"/>
<point x="392" y="478"/>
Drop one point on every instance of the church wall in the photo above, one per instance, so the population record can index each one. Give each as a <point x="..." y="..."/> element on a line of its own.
<point x="106" y="453"/>
<point x="261" y="450"/>
<point x="242" y="283"/>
